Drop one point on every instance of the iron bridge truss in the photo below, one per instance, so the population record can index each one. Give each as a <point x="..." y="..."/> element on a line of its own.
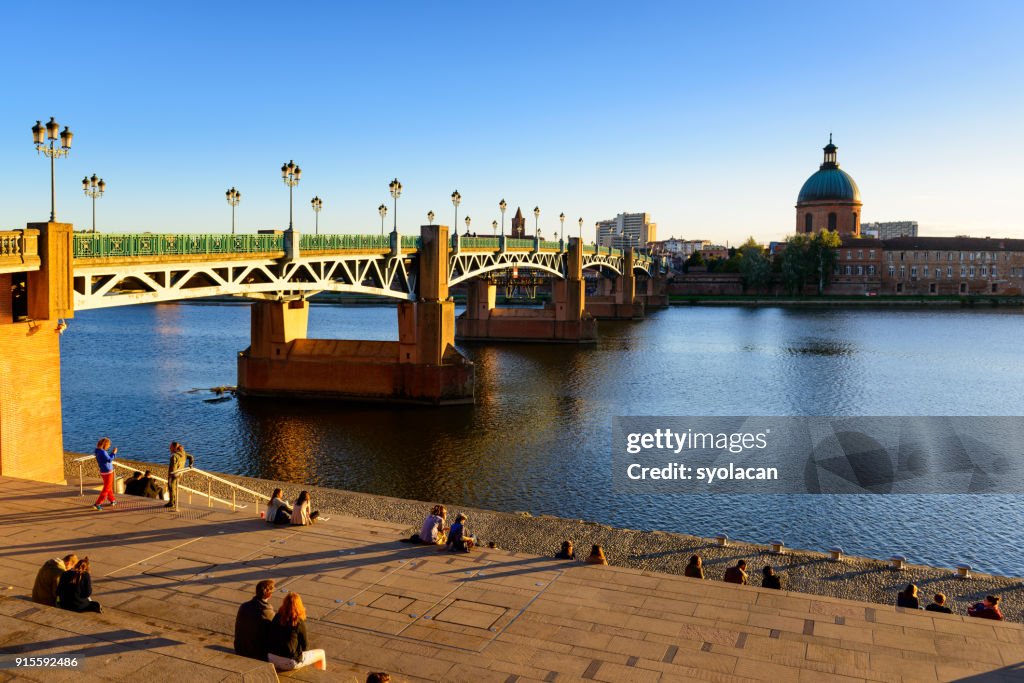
<point x="128" y="281"/>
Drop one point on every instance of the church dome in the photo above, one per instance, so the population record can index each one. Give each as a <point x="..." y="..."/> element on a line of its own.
<point x="830" y="183"/>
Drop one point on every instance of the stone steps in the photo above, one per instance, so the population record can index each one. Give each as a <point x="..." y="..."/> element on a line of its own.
<point x="376" y="604"/>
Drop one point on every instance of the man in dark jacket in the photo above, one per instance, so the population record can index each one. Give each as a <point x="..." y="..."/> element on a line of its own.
<point x="151" y="489"/>
<point x="252" y="622"/>
<point x="133" y="485"/>
<point x="45" y="589"/>
<point x="737" y="574"/>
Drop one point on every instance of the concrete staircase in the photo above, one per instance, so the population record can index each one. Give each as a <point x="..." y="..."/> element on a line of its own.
<point x="170" y="584"/>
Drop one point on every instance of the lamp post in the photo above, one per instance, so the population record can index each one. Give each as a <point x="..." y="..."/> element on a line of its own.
<point x="317" y="204"/>
<point x="456" y="199"/>
<point x="430" y="217"/>
<point x="41" y="135"/>
<point x="93" y="187"/>
<point x="561" y="229"/>
<point x="581" y="231"/>
<point x="383" y="211"/>
<point x="291" y="174"/>
<point x="536" y="219"/>
<point x="396" y="192"/>
<point x="502" y="205"/>
<point x="468" y="220"/>
<point x="494" y="228"/>
<point x="233" y="196"/>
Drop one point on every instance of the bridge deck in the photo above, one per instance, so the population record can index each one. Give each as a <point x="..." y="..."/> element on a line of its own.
<point x="170" y="584"/>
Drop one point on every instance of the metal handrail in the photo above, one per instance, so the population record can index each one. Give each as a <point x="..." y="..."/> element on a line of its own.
<point x="210" y="498"/>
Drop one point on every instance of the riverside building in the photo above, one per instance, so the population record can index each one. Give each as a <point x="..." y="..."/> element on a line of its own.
<point x="627" y="230"/>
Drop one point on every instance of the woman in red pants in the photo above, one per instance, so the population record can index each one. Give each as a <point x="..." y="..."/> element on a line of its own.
<point x="105" y="461"/>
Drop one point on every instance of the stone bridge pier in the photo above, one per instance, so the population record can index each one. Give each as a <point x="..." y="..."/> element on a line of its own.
<point x="36" y="295"/>
<point x="563" y="320"/>
<point x="423" y="366"/>
<point x="617" y="299"/>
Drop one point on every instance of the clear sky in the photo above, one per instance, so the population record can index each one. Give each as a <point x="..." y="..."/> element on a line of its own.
<point x="709" y="116"/>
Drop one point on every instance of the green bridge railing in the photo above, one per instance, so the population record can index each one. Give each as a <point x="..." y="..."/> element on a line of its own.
<point x="96" y="245"/>
<point x="102" y="245"/>
<point x="480" y="242"/>
<point x="333" y="242"/>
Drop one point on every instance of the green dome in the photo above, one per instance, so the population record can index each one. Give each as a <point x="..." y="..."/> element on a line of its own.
<point x="829" y="184"/>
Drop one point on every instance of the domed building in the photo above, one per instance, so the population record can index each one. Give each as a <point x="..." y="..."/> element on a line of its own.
<point x="829" y="199"/>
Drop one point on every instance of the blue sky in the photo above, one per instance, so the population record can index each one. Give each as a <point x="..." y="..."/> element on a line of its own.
<point x="707" y="115"/>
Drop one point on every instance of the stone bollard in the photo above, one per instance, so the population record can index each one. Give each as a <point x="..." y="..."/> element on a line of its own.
<point x="778" y="548"/>
<point x="722" y="540"/>
<point x="836" y="553"/>
<point x="119" y="485"/>
<point x="963" y="571"/>
<point x="899" y="563"/>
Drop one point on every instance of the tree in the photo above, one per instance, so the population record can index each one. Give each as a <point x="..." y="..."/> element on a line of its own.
<point x="809" y="256"/>
<point x="754" y="265"/>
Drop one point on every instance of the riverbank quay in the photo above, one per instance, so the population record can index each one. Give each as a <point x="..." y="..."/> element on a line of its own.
<point x="814" y="573"/>
<point x="929" y="302"/>
<point x="170" y="583"/>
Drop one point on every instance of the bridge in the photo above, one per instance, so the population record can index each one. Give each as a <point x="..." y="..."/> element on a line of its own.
<point x="51" y="272"/>
<point x="119" y="270"/>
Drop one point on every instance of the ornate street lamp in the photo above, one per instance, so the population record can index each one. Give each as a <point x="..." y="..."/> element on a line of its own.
<point x="396" y="192"/>
<point x="561" y="219"/>
<point x="430" y="217"/>
<point x="536" y="218"/>
<point x="291" y="174"/>
<point x="456" y="199"/>
<point x="494" y="228"/>
<point x="468" y="220"/>
<point x="502" y="205"/>
<point x="383" y="211"/>
<point x="317" y="204"/>
<point x="233" y="196"/>
<point x="94" y="188"/>
<point x="581" y="231"/>
<point x="41" y="135"/>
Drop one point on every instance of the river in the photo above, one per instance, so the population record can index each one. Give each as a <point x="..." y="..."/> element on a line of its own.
<point x="538" y="437"/>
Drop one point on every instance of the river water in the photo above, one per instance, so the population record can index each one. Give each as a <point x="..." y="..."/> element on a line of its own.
<point x="538" y="437"/>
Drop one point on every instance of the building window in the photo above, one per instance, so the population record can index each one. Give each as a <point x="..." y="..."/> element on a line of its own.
<point x="871" y="254"/>
<point x="971" y="275"/>
<point x="899" y="287"/>
<point x="995" y="287"/>
<point x="854" y="221"/>
<point x="808" y="226"/>
<point x="963" y="287"/>
<point x="849" y="254"/>
<point x="994" y="271"/>
<point x="938" y="273"/>
<point x="860" y="254"/>
<point x="971" y="256"/>
<point x="931" y="288"/>
<point x="846" y="270"/>
<point x="984" y="271"/>
<point x="949" y="256"/>
<point x="831" y="221"/>
<point x="871" y="270"/>
<point x="888" y="255"/>
<point x="913" y="272"/>
<point x="949" y="271"/>
<point x="903" y="272"/>
<point x="963" y="271"/>
<point x="860" y="270"/>
<point x="892" y="271"/>
<point x="926" y="271"/>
